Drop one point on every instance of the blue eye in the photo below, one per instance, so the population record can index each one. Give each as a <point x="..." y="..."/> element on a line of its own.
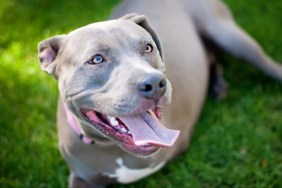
<point x="97" y="59"/>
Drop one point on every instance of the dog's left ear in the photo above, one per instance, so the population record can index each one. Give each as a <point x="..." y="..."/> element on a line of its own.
<point x="143" y="22"/>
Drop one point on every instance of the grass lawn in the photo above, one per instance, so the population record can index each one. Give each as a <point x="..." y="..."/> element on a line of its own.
<point x="237" y="142"/>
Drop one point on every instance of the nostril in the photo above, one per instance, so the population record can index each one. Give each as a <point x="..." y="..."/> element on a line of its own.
<point x="147" y="88"/>
<point x="162" y="83"/>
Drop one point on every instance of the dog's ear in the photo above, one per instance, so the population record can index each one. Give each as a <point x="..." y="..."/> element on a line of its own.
<point x="143" y="22"/>
<point x="47" y="53"/>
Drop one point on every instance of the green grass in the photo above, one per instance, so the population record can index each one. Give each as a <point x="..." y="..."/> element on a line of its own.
<point x="237" y="142"/>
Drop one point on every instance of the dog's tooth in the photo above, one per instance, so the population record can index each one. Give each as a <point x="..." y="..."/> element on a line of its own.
<point x="113" y="121"/>
<point x="150" y="111"/>
<point x="123" y="130"/>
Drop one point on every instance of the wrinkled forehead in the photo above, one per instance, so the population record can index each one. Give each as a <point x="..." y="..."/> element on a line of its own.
<point x="109" y="34"/>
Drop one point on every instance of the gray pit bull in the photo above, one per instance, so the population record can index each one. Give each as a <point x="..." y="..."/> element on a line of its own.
<point x="118" y="120"/>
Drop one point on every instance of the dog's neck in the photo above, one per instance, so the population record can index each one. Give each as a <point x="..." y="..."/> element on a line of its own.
<point x="76" y="128"/>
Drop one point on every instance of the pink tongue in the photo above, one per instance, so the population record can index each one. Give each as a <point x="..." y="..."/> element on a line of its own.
<point x="147" y="129"/>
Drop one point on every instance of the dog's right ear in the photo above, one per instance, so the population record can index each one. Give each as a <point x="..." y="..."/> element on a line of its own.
<point x="47" y="53"/>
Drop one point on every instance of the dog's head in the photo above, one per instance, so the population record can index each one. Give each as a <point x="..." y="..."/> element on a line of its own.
<point x="112" y="77"/>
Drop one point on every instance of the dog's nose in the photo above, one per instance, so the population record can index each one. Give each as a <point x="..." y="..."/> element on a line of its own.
<point x="152" y="86"/>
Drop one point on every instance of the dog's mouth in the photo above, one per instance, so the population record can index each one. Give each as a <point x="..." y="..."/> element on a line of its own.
<point x="141" y="134"/>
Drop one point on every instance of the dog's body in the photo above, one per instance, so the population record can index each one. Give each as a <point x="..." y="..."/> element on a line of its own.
<point x="111" y="85"/>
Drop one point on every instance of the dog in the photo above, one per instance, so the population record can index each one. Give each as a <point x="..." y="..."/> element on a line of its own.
<point x="132" y="88"/>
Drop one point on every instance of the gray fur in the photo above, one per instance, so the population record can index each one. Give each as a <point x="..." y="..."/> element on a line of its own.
<point x="110" y="88"/>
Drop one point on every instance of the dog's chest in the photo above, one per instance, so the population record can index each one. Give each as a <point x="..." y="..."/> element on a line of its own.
<point x="123" y="174"/>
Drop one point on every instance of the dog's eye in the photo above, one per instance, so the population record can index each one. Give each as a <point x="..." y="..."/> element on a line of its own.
<point x="148" y="48"/>
<point x="97" y="59"/>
